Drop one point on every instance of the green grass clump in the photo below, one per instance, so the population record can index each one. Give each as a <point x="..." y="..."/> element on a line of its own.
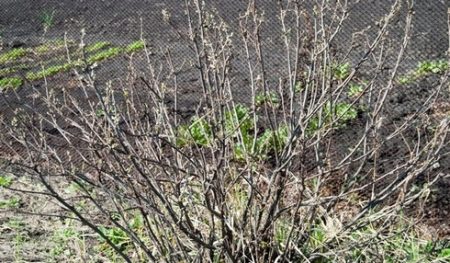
<point x="434" y="67"/>
<point x="52" y="45"/>
<point x="271" y="98"/>
<point x="238" y="120"/>
<point x="7" y="71"/>
<point x="341" y="71"/>
<point x="13" y="202"/>
<point x="271" y="141"/>
<point x="47" y="19"/>
<point x="109" y="53"/>
<point x="239" y="127"/>
<point x="97" y="46"/>
<point x="42" y="49"/>
<point x="10" y="70"/>
<point x="199" y="132"/>
<point x="407" y="247"/>
<point x="119" y="237"/>
<point x="10" y="83"/>
<point x="63" y="238"/>
<point x="48" y="72"/>
<point x="5" y="181"/>
<point x="355" y="90"/>
<point x="53" y="70"/>
<point x="424" y="69"/>
<point x="135" y="46"/>
<point x="342" y="113"/>
<point x="12" y="55"/>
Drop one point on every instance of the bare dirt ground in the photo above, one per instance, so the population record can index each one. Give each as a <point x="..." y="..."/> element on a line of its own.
<point x="36" y="239"/>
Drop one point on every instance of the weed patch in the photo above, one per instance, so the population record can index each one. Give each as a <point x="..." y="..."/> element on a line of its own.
<point x="270" y="98"/>
<point x="97" y="46"/>
<point x="198" y="132"/>
<point x="5" y="181"/>
<point x="47" y="19"/>
<point x="62" y="239"/>
<point x="120" y="238"/>
<point x="48" y="72"/>
<point x="341" y="71"/>
<point x="13" y="202"/>
<point x="136" y="46"/>
<point x="97" y="50"/>
<point x="12" y="55"/>
<point x="107" y="54"/>
<point x="425" y="69"/>
<point x="355" y="90"/>
<point x="51" y="46"/>
<point x="337" y="115"/>
<point x="10" y="83"/>
<point x="7" y="71"/>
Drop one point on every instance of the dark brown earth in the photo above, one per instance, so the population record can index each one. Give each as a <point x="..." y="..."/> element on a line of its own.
<point x="119" y="21"/>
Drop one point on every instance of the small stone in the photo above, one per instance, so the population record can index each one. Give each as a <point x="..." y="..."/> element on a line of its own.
<point x="435" y="166"/>
<point x="16" y="44"/>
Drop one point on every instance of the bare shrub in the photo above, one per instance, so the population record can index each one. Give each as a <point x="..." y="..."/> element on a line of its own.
<point x="299" y="173"/>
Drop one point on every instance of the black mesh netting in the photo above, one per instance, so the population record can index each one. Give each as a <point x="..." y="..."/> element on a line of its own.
<point x="30" y="24"/>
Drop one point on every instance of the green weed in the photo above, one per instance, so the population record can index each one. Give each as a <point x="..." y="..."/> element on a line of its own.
<point x="47" y="19"/>
<point x="271" y="141"/>
<point x="5" y="181"/>
<point x="434" y="67"/>
<point x="445" y="253"/>
<point x="238" y="198"/>
<point x="318" y="237"/>
<point x="282" y="230"/>
<point x="10" y="83"/>
<point x="13" y="69"/>
<point x="12" y="55"/>
<point x="97" y="46"/>
<point x="341" y="71"/>
<point x="424" y="69"/>
<point x="198" y="132"/>
<point x="16" y="224"/>
<point x="299" y="87"/>
<point x="48" y="72"/>
<point x="405" y="80"/>
<point x="238" y="125"/>
<point x="406" y="247"/>
<point x="120" y="238"/>
<point x="100" y="113"/>
<point x="78" y="187"/>
<point x="135" y="46"/>
<point x="355" y="90"/>
<point x="109" y="53"/>
<point x="42" y="49"/>
<point x="342" y="112"/>
<point x="13" y="202"/>
<point x="19" y="239"/>
<point x="61" y="238"/>
<point x="7" y="71"/>
<point x="270" y="98"/>
<point x="238" y="119"/>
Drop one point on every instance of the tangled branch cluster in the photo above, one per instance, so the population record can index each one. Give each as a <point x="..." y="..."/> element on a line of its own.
<point x="276" y="179"/>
